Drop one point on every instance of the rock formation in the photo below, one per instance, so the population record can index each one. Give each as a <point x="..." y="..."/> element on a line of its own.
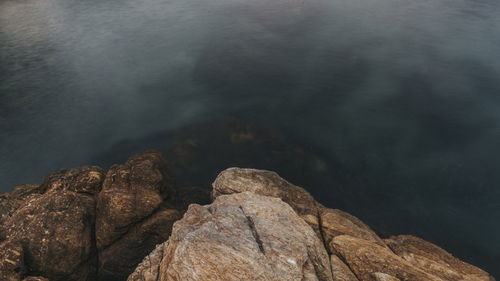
<point x="211" y="242"/>
<point x="86" y="224"/>
<point x="242" y="236"/>
<point x="89" y="224"/>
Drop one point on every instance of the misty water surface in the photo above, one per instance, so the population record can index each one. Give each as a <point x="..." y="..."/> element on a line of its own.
<point x="404" y="93"/>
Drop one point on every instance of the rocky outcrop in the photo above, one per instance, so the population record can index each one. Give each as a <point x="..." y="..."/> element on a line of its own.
<point x="54" y="223"/>
<point x="327" y="223"/>
<point x="211" y="243"/>
<point x="433" y="259"/>
<point x="88" y="224"/>
<point x="131" y="216"/>
<point x="235" y="180"/>
<point x="130" y="193"/>
<point x="242" y="236"/>
<point x="336" y="222"/>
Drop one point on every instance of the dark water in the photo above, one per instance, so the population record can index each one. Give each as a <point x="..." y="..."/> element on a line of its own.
<point x="404" y="94"/>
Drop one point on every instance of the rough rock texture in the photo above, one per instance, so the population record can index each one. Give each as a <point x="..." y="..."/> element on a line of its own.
<point x="236" y="180"/>
<point x="85" y="224"/>
<point x="55" y="224"/>
<point x="86" y="179"/>
<point x="336" y="222"/>
<point x="118" y="260"/>
<point x="149" y="268"/>
<point x="243" y="236"/>
<point x="365" y="258"/>
<point x="340" y="270"/>
<point x="130" y="193"/>
<point x="416" y="260"/>
<point x="384" y="277"/>
<point x="366" y="254"/>
<point x="433" y="259"/>
<point x="35" y="278"/>
<point x="11" y="261"/>
<point x="130" y="217"/>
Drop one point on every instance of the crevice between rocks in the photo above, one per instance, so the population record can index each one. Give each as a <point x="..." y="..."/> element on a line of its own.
<point x="255" y="234"/>
<point x="323" y="240"/>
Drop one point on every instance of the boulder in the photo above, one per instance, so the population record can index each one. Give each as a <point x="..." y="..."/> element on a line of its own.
<point x="10" y="202"/>
<point x="54" y="223"/>
<point x="336" y="222"/>
<point x="130" y="193"/>
<point x="434" y="260"/>
<point x="56" y="231"/>
<point x="237" y="180"/>
<point x="243" y="236"/>
<point x="366" y="258"/>
<point x="136" y="209"/>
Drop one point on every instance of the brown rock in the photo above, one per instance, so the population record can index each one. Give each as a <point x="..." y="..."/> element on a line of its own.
<point x="340" y="270"/>
<point x="433" y="259"/>
<point x="130" y="193"/>
<point x="119" y="260"/>
<point x="132" y="213"/>
<point x="35" y="278"/>
<point x="384" y="277"/>
<point x="149" y="268"/>
<point x="54" y="223"/>
<point x="366" y="258"/>
<point x="335" y="222"/>
<point x="86" y="179"/>
<point x="243" y="236"/>
<point x="236" y="180"/>
<point x="11" y="261"/>
<point x="10" y="202"/>
<point x="56" y="231"/>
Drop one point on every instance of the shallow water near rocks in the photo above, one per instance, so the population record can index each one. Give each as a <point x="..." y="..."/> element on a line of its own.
<point x="398" y="98"/>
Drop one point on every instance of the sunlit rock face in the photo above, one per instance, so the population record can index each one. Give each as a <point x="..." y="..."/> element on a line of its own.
<point x="242" y="236"/>
<point x="260" y="224"/>
<point x="89" y="224"/>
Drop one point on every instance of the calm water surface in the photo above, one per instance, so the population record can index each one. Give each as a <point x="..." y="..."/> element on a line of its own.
<point x="406" y="94"/>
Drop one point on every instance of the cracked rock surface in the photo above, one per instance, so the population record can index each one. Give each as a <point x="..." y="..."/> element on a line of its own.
<point x="88" y="224"/>
<point x="248" y="233"/>
<point x="243" y="236"/>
